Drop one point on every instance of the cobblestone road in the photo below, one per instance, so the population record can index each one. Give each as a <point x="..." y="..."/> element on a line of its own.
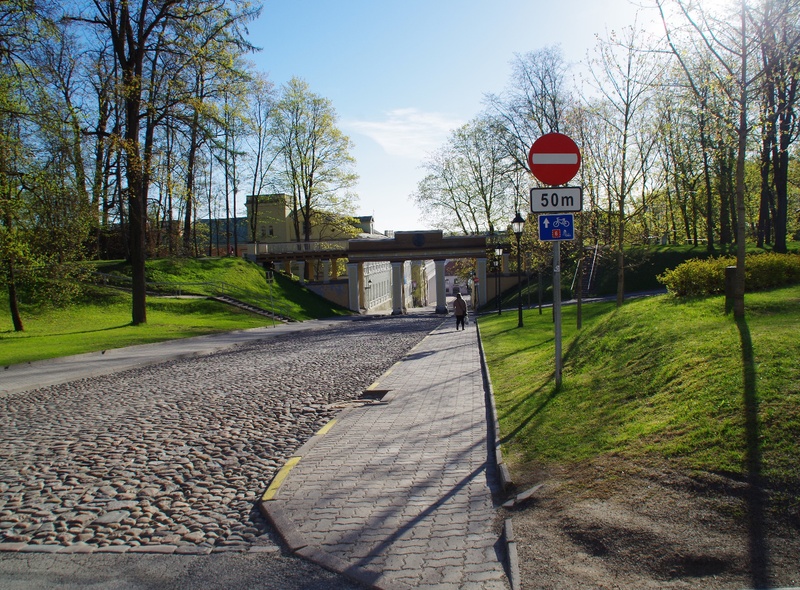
<point x="173" y="457"/>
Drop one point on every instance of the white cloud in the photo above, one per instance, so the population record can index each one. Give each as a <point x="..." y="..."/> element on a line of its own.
<point x="407" y="133"/>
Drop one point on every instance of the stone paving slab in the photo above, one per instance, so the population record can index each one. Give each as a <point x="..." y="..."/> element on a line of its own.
<point x="397" y="495"/>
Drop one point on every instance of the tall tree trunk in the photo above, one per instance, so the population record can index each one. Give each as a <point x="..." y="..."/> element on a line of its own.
<point x="235" y="189"/>
<point x="781" y="179"/>
<point x="707" y="179"/>
<point x="727" y="196"/>
<point x="137" y="196"/>
<point x="764" y="234"/>
<point x="190" y="166"/>
<point x="621" y="234"/>
<point x="227" y="174"/>
<point x="738" y="299"/>
<point x="13" y="300"/>
<point x="211" y="225"/>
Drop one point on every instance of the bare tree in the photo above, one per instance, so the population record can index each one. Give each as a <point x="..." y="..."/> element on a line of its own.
<point x="725" y="44"/>
<point x="625" y="74"/>
<point x="536" y="101"/>
<point x="261" y="143"/>
<point x="317" y="164"/>
<point x="469" y="187"/>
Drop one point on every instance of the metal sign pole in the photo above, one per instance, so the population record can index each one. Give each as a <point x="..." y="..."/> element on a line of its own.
<point x="554" y="159"/>
<point x="557" y="306"/>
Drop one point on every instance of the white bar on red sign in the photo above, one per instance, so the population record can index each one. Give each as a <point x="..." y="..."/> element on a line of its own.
<point x="554" y="159"/>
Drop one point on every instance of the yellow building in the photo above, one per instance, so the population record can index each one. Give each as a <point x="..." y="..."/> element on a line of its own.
<point x="271" y="220"/>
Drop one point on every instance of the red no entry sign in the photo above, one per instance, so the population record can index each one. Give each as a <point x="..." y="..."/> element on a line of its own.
<point x="554" y="159"/>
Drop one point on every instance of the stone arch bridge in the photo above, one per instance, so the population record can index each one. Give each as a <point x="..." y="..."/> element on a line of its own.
<point x="414" y="246"/>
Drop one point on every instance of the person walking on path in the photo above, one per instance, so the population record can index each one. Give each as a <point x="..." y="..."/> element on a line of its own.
<point x="460" y="309"/>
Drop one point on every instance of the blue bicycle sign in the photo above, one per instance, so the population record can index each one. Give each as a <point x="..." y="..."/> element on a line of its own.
<point x="562" y="222"/>
<point x="556" y="227"/>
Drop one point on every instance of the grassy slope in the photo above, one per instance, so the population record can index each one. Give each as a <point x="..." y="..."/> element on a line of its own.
<point x="102" y="320"/>
<point x="658" y="377"/>
<point x="240" y="279"/>
<point x="643" y="265"/>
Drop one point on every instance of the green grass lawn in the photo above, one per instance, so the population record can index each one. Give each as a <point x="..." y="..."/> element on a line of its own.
<point x="104" y="322"/>
<point x="102" y="318"/>
<point x="659" y="377"/>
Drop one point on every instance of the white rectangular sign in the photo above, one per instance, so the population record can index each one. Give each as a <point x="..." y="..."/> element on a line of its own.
<point x="556" y="199"/>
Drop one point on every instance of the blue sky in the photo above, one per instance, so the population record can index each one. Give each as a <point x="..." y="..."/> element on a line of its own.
<point x="402" y="75"/>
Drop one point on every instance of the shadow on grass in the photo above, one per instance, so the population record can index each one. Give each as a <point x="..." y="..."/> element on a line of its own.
<point x="28" y="335"/>
<point x="756" y="498"/>
<point x="529" y="418"/>
<point x="544" y="403"/>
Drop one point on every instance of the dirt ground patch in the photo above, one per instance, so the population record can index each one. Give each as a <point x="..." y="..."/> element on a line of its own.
<point x="624" y="526"/>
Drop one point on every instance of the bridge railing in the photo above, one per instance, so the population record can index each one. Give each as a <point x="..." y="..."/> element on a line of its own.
<point x="297" y="247"/>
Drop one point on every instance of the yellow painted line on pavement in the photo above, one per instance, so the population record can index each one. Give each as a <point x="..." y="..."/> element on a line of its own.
<point x="326" y="428"/>
<point x="273" y="488"/>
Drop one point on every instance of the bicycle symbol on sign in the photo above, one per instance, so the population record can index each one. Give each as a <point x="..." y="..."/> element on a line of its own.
<point x="561" y="222"/>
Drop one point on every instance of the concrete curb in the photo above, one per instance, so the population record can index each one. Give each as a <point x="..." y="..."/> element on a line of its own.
<point x="83" y="548"/>
<point x="513" y="558"/>
<point x="505" y="475"/>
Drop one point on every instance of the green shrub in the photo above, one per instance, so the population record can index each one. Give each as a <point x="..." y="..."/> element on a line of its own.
<point x="770" y="270"/>
<point x="707" y="277"/>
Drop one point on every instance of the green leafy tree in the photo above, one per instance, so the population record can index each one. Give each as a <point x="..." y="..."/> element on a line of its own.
<point x="23" y="27"/>
<point x="147" y="40"/>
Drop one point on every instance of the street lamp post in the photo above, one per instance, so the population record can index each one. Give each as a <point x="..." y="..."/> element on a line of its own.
<point x="517" y="225"/>
<point x="498" y="252"/>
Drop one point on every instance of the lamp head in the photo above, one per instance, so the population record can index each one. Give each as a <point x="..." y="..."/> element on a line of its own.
<point x="517" y="224"/>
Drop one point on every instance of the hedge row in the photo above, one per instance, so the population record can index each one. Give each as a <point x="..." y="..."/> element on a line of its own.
<point x="707" y="276"/>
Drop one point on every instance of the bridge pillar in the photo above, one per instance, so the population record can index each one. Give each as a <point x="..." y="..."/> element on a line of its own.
<point x="481" y="283"/>
<point x="441" y="292"/>
<point x="326" y="271"/>
<point x="334" y="268"/>
<point x="352" y="286"/>
<point x="397" y="288"/>
<point x="301" y="270"/>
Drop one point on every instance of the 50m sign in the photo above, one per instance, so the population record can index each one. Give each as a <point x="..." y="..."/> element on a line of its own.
<point x="556" y="200"/>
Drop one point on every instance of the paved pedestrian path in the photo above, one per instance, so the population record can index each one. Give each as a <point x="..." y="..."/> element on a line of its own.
<point x="396" y="494"/>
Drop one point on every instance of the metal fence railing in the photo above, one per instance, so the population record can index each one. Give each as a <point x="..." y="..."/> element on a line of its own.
<point x="293" y="247"/>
